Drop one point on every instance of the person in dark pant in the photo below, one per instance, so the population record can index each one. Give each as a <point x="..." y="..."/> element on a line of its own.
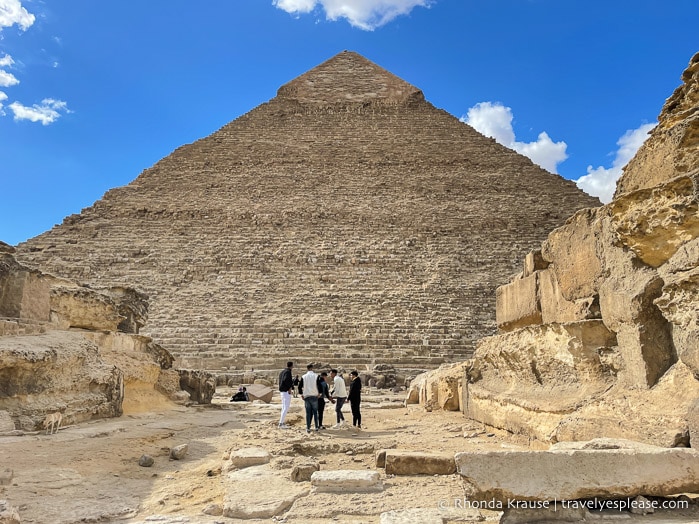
<point x="323" y="393"/>
<point x="339" y="395"/>
<point x="355" y="399"/>
<point x="310" y="397"/>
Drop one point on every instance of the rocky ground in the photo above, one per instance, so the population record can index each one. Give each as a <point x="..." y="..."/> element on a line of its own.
<point x="91" y="472"/>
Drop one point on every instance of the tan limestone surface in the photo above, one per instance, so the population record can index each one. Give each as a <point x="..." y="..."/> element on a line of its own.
<point x="347" y="219"/>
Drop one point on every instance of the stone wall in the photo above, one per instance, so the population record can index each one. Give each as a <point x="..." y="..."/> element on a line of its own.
<point x="61" y="349"/>
<point x="346" y="220"/>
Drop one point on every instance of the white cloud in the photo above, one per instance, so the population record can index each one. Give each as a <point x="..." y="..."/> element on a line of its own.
<point x="495" y="120"/>
<point x="47" y="112"/>
<point x="364" y="14"/>
<point x="3" y="97"/>
<point x="7" y="79"/>
<point x="12" y="12"/>
<point x="6" y="61"/>
<point x="601" y="181"/>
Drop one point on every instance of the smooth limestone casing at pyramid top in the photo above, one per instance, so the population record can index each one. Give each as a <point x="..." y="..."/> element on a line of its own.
<point x="347" y="221"/>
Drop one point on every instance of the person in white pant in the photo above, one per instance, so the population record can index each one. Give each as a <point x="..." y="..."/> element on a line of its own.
<point x="286" y="388"/>
<point x="340" y="395"/>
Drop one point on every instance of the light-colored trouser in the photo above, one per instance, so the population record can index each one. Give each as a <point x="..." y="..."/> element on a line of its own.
<point x="286" y="402"/>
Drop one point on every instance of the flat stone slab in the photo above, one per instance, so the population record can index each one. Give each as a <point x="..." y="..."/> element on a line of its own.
<point x="246" y="457"/>
<point x="599" y="470"/>
<point x="418" y="463"/>
<point x="267" y="493"/>
<point x="346" y="481"/>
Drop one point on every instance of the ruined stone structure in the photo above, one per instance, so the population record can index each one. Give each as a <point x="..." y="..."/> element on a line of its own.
<point x="600" y="331"/>
<point x="68" y="348"/>
<point x="347" y="220"/>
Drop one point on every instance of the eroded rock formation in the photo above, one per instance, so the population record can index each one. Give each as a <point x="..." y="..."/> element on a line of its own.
<point x="599" y="332"/>
<point x="62" y="349"/>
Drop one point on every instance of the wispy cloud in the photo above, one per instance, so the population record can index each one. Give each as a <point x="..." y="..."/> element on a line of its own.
<point x="12" y="13"/>
<point x="495" y="120"/>
<point x="47" y="112"/>
<point x="364" y="14"/>
<point x="601" y="181"/>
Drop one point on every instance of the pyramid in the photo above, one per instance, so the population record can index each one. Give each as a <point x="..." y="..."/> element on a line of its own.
<point x="345" y="221"/>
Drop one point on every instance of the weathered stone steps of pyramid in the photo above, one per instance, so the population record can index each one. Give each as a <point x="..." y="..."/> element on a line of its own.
<point x="18" y="326"/>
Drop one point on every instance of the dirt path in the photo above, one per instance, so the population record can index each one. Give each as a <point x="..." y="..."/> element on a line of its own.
<point x="90" y="472"/>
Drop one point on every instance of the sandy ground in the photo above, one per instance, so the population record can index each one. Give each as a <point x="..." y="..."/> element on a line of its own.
<point x="90" y="472"/>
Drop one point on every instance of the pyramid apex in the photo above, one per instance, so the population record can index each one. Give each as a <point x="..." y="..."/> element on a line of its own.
<point x="348" y="78"/>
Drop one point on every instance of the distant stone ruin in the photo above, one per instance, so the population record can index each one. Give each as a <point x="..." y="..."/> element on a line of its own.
<point x="74" y="350"/>
<point x="600" y="331"/>
<point x="347" y="220"/>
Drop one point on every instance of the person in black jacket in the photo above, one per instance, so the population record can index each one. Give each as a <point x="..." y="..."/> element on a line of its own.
<point x="286" y="387"/>
<point x="355" y="399"/>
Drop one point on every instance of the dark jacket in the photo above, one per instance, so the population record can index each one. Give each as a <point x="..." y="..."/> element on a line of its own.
<point x="323" y="389"/>
<point x="355" y="391"/>
<point x="286" y="381"/>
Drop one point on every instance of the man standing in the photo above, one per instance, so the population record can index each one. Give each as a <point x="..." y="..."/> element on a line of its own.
<point x="355" y="398"/>
<point x="323" y="393"/>
<point x="340" y="395"/>
<point x="286" y="386"/>
<point x="310" y="397"/>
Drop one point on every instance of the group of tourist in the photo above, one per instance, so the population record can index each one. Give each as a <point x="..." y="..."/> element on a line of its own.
<point x="315" y="390"/>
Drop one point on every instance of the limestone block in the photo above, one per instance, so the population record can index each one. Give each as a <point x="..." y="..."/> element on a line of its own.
<point x="571" y="251"/>
<point x="673" y="144"/>
<point x="24" y="293"/>
<point x="132" y="305"/>
<point x="53" y="371"/>
<point x="346" y="481"/>
<point x="418" y="463"/>
<point x="267" y="493"/>
<point x="555" y="309"/>
<point x="553" y="365"/>
<point x="657" y="416"/>
<point x="533" y="262"/>
<point x="200" y="385"/>
<point x="679" y="302"/>
<point x="260" y="392"/>
<point x="569" y="474"/>
<point x="381" y="458"/>
<point x="246" y="457"/>
<point x="6" y="422"/>
<point x="517" y="304"/>
<point x="303" y="472"/>
<point x="84" y="308"/>
<point x="654" y="223"/>
<point x="647" y="353"/>
<point x="627" y="297"/>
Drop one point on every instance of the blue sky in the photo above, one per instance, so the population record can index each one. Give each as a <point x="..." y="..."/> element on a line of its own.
<point x="94" y="92"/>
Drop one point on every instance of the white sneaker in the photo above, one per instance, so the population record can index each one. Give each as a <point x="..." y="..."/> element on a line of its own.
<point x="283" y="426"/>
<point x="336" y="426"/>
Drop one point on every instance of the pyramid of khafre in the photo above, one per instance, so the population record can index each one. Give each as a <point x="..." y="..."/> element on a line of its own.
<point x="347" y="220"/>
